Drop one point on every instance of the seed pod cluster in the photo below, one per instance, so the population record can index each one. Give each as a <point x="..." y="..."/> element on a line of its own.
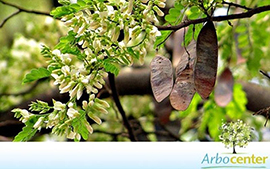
<point x="195" y="72"/>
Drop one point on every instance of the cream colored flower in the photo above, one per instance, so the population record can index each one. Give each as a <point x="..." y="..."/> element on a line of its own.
<point x="72" y="113"/>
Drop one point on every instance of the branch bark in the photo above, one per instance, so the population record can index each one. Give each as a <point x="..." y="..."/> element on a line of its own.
<point x="136" y="82"/>
<point x="247" y="14"/>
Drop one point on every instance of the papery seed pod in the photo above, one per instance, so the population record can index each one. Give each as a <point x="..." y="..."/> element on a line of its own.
<point x="224" y="88"/>
<point x="207" y="58"/>
<point x="187" y="59"/>
<point x="183" y="90"/>
<point x="184" y="87"/>
<point x="161" y="77"/>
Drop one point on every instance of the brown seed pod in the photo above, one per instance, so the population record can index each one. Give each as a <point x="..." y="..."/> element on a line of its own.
<point x="224" y="88"/>
<point x="184" y="60"/>
<point x="207" y="59"/>
<point x="183" y="90"/>
<point x="161" y="77"/>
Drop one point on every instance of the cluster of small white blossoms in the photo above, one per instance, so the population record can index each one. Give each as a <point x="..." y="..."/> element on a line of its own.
<point x="100" y="26"/>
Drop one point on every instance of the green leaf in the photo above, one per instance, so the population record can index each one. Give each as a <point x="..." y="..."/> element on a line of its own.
<point x="174" y="13"/>
<point x="192" y="32"/>
<point x="132" y="53"/>
<point x="194" y="13"/>
<point x="215" y="121"/>
<point x="67" y="44"/>
<point x="82" y="130"/>
<point x="28" y="131"/>
<point x="237" y="107"/>
<point x="111" y="66"/>
<point x="62" y="11"/>
<point x="160" y="40"/>
<point x="36" y="74"/>
<point x="26" y="134"/>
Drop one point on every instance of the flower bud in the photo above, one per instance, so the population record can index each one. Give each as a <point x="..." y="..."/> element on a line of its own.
<point x="100" y="109"/>
<point x="58" y="105"/>
<point x="68" y="87"/>
<point x="88" y="12"/>
<point x="72" y="113"/>
<point x="144" y="1"/>
<point x="98" y="85"/>
<point x="89" y="127"/>
<point x="91" y="103"/>
<point x="158" y="11"/>
<point x="102" y="102"/>
<point x="85" y="44"/>
<point x="130" y="6"/>
<point x="81" y="29"/>
<point x="84" y="104"/>
<point x="95" y="118"/>
<point x="80" y="91"/>
<point x="94" y="90"/>
<point x="161" y="4"/>
<point x="115" y="33"/>
<point x="92" y="96"/>
<point x="38" y="123"/>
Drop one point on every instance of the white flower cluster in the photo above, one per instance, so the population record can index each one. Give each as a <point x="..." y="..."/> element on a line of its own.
<point x="109" y="29"/>
<point x="75" y="78"/>
<point x="119" y="30"/>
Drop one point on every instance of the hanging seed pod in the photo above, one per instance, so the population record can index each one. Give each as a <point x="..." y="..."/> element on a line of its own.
<point x="161" y="77"/>
<point x="187" y="58"/>
<point x="207" y="58"/>
<point x="184" y="88"/>
<point x="224" y="88"/>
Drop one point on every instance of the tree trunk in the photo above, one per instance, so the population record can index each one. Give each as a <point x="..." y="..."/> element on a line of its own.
<point x="234" y="152"/>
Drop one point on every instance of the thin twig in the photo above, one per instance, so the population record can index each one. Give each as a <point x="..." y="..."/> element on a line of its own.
<point x="265" y="74"/>
<point x="19" y="11"/>
<point x="236" y="5"/>
<point x="7" y="18"/>
<point x="247" y="14"/>
<point x="120" y="108"/>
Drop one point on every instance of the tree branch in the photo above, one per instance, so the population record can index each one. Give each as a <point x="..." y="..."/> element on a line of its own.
<point x="9" y="17"/>
<point x="247" y="14"/>
<point x="19" y="11"/>
<point x="119" y="106"/>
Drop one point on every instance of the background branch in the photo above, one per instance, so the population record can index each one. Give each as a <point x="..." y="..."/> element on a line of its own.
<point x="236" y="5"/>
<point x="20" y="9"/>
